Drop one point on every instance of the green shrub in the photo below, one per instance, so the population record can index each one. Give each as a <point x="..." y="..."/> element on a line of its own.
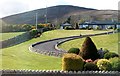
<point x="33" y="33"/>
<point x="69" y="28"/>
<point x="95" y="62"/>
<point x="110" y="55"/>
<point x="110" y="27"/>
<point x="105" y="51"/>
<point x="74" y="50"/>
<point x="89" y="50"/>
<point x="72" y="62"/>
<point x="115" y="62"/>
<point x="104" y="64"/>
<point x="90" y="67"/>
<point x="118" y="29"/>
<point x="97" y="28"/>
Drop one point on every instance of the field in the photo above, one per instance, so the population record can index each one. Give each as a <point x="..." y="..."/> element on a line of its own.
<point x="5" y="36"/>
<point x="19" y="57"/>
<point x="109" y="42"/>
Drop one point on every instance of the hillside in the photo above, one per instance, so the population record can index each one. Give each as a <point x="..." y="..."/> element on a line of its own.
<point x="58" y="14"/>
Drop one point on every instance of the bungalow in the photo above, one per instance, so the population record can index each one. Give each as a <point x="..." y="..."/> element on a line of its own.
<point x="101" y="24"/>
<point x="64" y="25"/>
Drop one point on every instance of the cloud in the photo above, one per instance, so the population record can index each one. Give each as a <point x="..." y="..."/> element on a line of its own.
<point x="97" y="4"/>
<point x="12" y="7"/>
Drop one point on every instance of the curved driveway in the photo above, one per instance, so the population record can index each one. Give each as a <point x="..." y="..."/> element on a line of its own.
<point x="49" y="45"/>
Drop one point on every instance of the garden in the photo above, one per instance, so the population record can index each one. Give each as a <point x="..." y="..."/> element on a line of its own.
<point x="24" y="59"/>
<point x="88" y="58"/>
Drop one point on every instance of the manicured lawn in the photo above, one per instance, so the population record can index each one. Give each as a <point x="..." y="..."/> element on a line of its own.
<point x="19" y="57"/>
<point x="109" y="42"/>
<point x="5" y="36"/>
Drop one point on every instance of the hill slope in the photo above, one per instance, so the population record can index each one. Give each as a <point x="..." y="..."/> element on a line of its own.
<point x="58" y="14"/>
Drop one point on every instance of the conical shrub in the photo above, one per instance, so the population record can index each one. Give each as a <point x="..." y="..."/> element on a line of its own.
<point x="89" y="50"/>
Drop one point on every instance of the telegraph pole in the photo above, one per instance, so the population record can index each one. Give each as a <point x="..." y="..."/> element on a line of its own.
<point x="46" y="15"/>
<point x="36" y="21"/>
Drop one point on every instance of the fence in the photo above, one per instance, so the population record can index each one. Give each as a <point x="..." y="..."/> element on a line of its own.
<point x="15" y="40"/>
<point x="57" y="73"/>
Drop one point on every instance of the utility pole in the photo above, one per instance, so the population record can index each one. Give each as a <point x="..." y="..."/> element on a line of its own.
<point x="36" y="21"/>
<point x="46" y="15"/>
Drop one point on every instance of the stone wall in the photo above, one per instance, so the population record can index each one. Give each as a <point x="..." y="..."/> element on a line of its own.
<point x="15" y="40"/>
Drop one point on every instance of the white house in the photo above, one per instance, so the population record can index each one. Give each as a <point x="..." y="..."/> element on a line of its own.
<point x="64" y="25"/>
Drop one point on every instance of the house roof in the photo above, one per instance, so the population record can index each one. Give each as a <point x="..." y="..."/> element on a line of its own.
<point x="66" y="24"/>
<point x="100" y="23"/>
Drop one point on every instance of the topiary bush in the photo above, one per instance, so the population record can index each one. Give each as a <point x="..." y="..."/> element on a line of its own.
<point x="74" y="50"/>
<point x="90" y="67"/>
<point x="72" y="62"/>
<point x="109" y="55"/>
<point x="115" y="62"/>
<point x="104" y="64"/>
<point x="89" y="50"/>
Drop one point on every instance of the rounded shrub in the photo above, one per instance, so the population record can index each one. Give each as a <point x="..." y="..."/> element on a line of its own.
<point x="33" y="33"/>
<point x="72" y="62"/>
<point x="74" y="50"/>
<point x="105" y="51"/>
<point x="104" y="64"/>
<point x="89" y="50"/>
<point x="110" y="27"/>
<point x="95" y="62"/>
<point x="110" y="55"/>
<point x="90" y="67"/>
<point x="115" y="62"/>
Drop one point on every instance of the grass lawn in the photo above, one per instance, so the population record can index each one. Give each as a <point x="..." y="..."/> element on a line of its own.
<point x="19" y="57"/>
<point x="5" y="36"/>
<point x="109" y="42"/>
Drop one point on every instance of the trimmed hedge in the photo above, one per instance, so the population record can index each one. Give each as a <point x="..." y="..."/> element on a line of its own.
<point x="72" y="62"/>
<point x="104" y="64"/>
<point x="74" y="50"/>
<point x="90" y="67"/>
<point x="115" y="62"/>
<point x="110" y="55"/>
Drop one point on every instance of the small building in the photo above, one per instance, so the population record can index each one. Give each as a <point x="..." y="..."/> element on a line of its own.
<point x="62" y="26"/>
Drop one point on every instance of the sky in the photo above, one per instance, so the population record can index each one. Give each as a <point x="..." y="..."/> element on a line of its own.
<point x="10" y="7"/>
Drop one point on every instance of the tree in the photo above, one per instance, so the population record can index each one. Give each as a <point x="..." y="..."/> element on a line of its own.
<point x="68" y="20"/>
<point x="89" y="50"/>
<point x="76" y="26"/>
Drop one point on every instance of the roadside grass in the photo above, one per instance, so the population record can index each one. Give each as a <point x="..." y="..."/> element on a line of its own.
<point x="109" y="42"/>
<point x="5" y="36"/>
<point x="19" y="57"/>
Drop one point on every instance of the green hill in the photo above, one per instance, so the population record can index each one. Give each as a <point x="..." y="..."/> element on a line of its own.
<point x="58" y="14"/>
